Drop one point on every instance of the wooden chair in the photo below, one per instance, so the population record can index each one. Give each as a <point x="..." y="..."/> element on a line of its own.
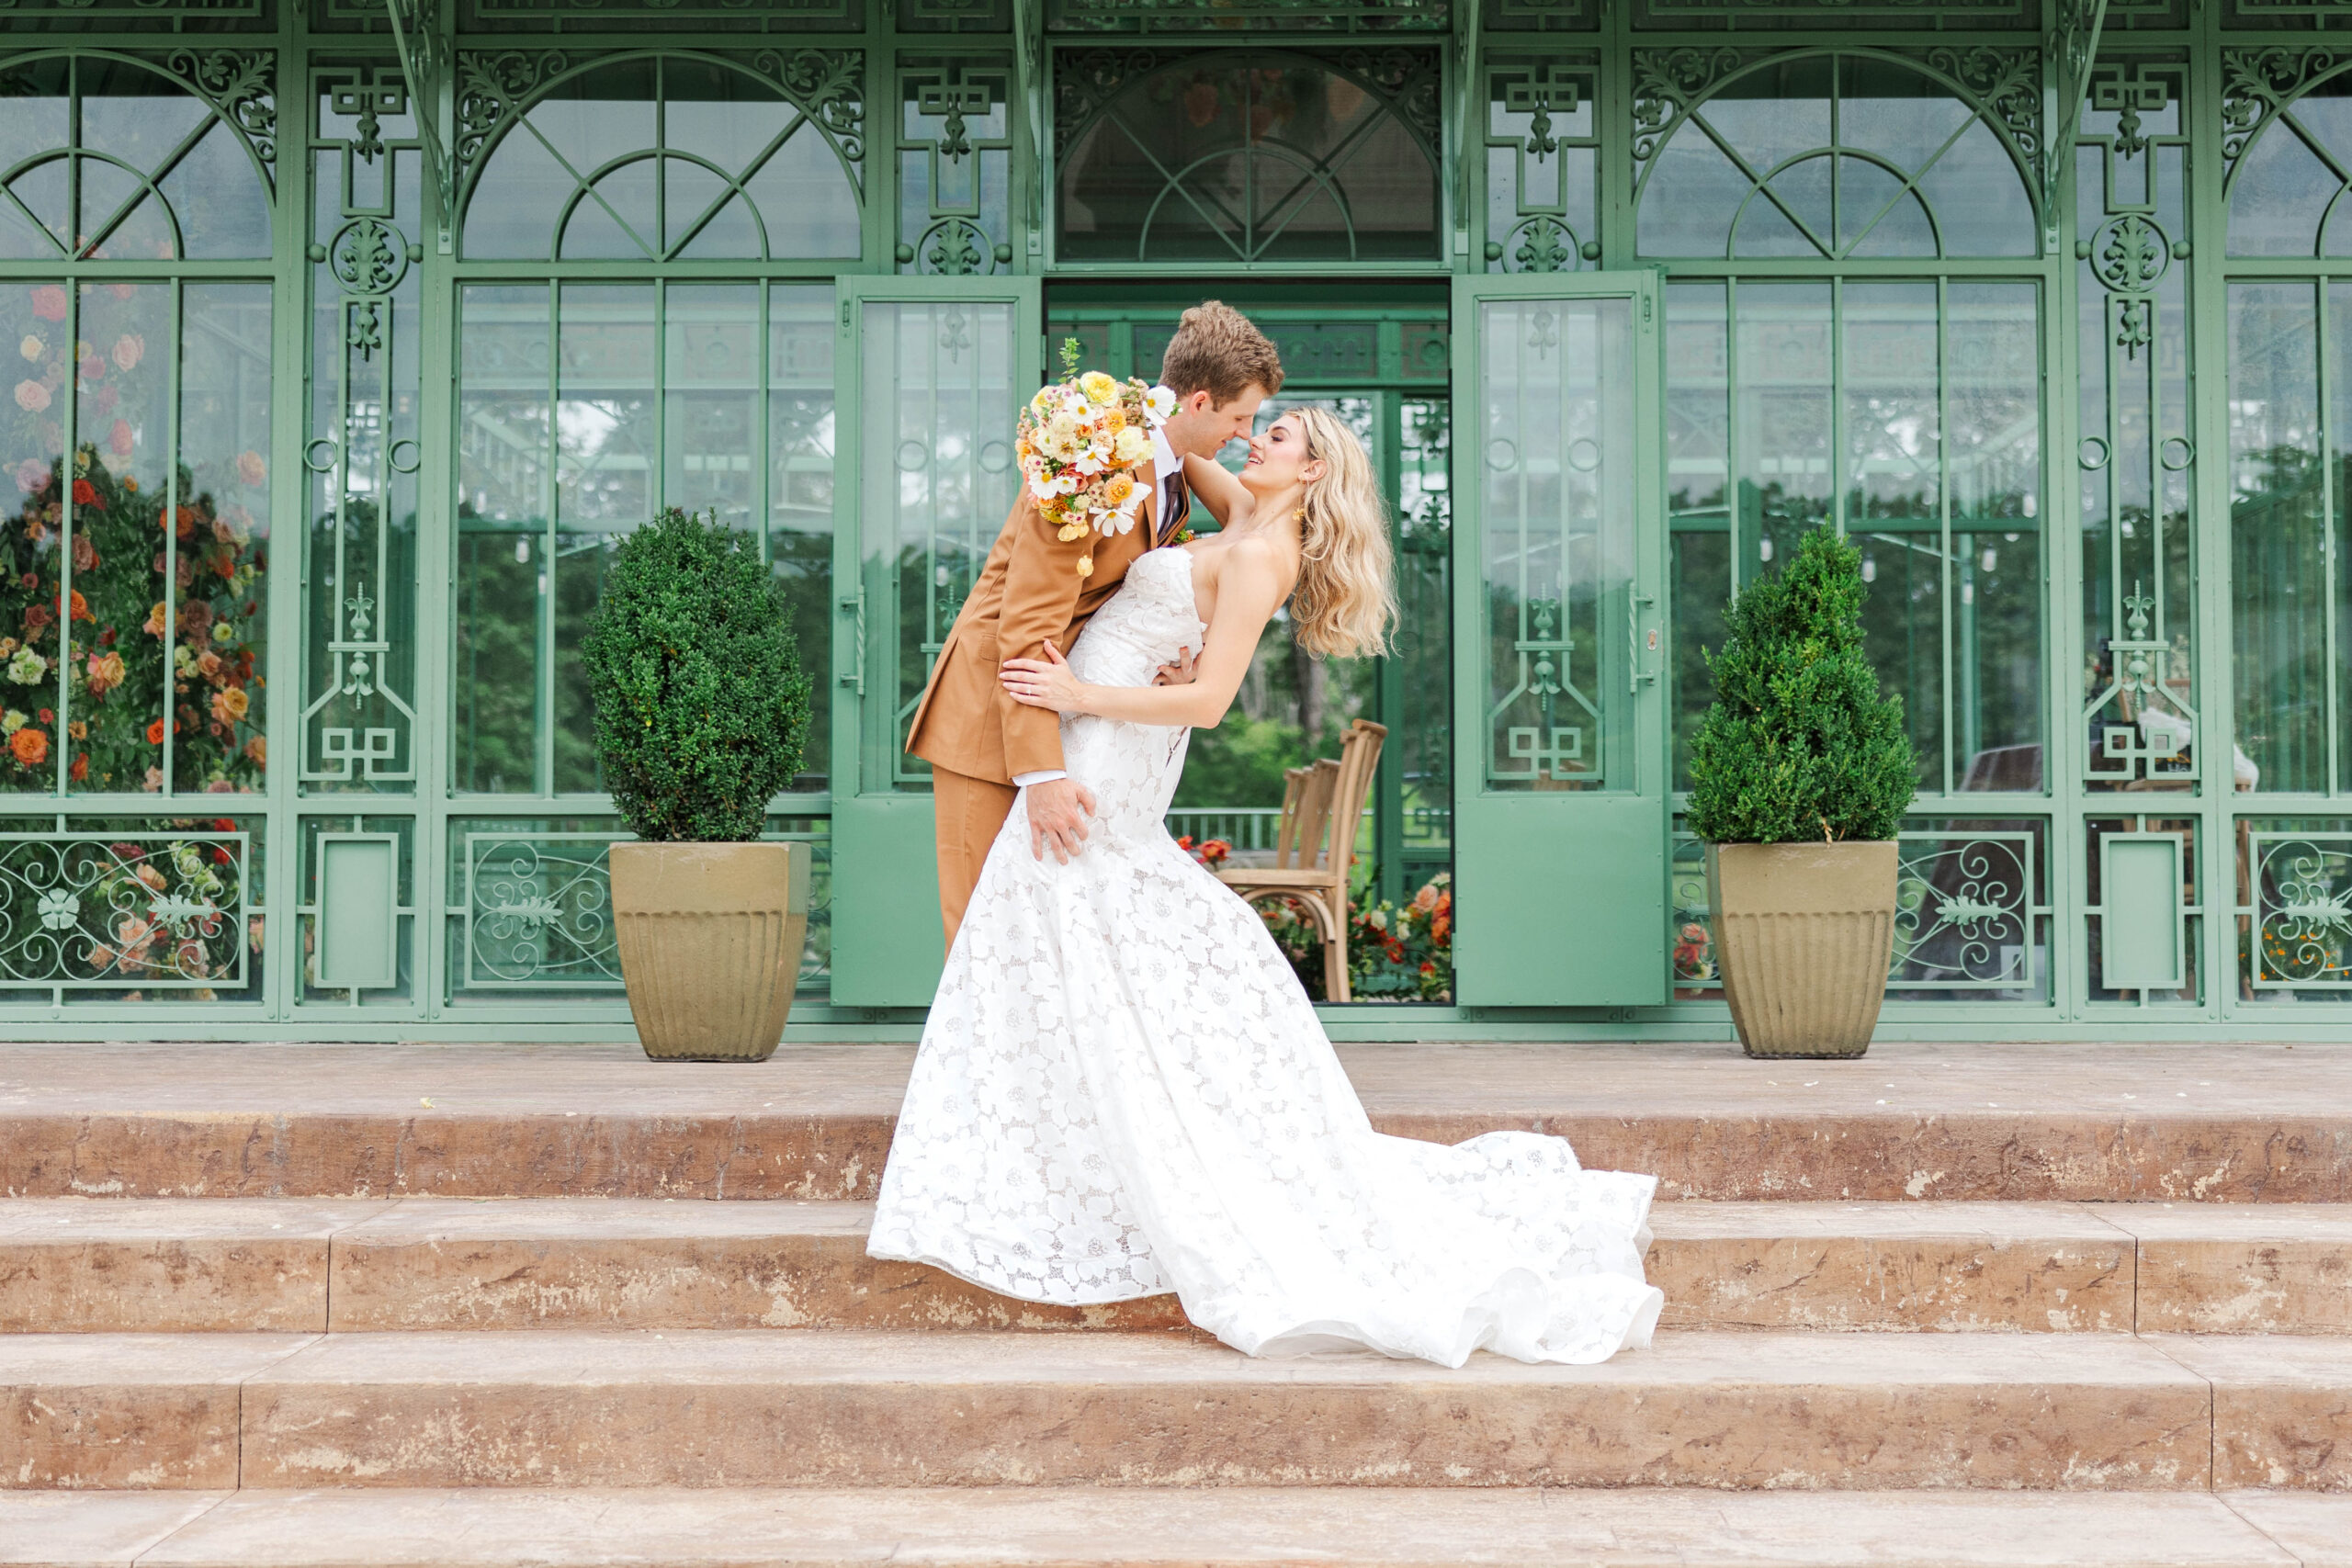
<point x="1315" y="847"/>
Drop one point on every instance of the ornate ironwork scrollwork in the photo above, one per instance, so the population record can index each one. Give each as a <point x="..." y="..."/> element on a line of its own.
<point x="241" y="87"/>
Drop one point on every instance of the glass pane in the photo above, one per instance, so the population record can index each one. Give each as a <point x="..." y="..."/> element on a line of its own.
<point x="1698" y="469"/>
<point x="1424" y="739"/>
<point x="1992" y="450"/>
<point x="1836" y="155"/>
<point x="225" y="483"/>
<point x="710" y="338"/>
<point x="2286" y="183"/>
<point x="1236" y="156"/>
<point x="506" y="498"/>
<point x="1783" y="405"/>
<point x="32" y="550"/>
<point x="1555" y="434"/>
<point x="2279" y="528"/>
<point x="938" y="480"/>
<point x="801" y="443"/>
<point x="641" y="159"/>
<point x="1894" y="437"/>
<point x="122" y="603"/>
<point x="605" y="429"/>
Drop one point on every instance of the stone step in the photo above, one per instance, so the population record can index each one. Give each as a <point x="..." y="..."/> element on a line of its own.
<point x="2214" y="1123"/>
<point x="1236" y="1527"/>
<point x="854" y="1408"/>
<point x="176" y="1265"/>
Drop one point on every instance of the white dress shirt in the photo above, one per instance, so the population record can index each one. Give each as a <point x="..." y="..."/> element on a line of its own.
<point x="1164" y="462"/>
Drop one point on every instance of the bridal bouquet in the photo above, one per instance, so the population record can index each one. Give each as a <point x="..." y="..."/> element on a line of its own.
<point x="1081" y="439"/>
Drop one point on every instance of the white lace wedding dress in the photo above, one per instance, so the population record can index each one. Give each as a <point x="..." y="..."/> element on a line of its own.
<point x="1122" y="1090"/>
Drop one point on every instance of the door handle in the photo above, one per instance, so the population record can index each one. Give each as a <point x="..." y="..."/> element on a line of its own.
<point x="854" y="606"/>
<point x="1636" y="674"/>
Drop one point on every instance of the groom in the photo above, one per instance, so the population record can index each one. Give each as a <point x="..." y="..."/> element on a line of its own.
<point x="983" y="747"/>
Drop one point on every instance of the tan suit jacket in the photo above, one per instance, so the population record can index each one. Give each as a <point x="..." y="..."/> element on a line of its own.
<point x="1029" y="592"/>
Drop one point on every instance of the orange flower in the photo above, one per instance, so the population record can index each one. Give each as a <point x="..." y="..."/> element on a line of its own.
<point x="29" y="745"/>
<point x="155" y="627"/>
<point x="107" y="671"/>
<point x="155" y="733"/>
<point x="80" y="769"/>
<point x="232" y="704"/>
<point x="258" y="749"/>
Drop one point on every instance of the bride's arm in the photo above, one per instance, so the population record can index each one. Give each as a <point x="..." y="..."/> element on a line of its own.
<point x="1217" y="490"/>
<point x="1250" y="585"/>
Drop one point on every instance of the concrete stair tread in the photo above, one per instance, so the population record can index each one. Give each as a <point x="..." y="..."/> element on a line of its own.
<point x="1377" y="1528"/>
<point x="137" y="1264"/>
<point x="558" y="1407"/>
<point x="2254" y="1122"/>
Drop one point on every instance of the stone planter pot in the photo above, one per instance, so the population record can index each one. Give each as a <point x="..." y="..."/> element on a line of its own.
<point x="1802" y="934"/>
<point x="710" y="938"/>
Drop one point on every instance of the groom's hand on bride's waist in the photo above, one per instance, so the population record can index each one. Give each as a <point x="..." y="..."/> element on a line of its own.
<point x="1057" y="812"/>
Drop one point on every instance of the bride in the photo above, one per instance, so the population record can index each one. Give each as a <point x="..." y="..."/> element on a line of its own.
<point x="1122" y="1090"/>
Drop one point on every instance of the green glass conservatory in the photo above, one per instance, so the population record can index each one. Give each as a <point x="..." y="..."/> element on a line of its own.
<point x="350" y="336"/>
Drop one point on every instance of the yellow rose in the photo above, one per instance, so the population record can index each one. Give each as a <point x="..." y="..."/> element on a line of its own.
<point x="1099" y="388"/>
<point x="1118" y="489"/>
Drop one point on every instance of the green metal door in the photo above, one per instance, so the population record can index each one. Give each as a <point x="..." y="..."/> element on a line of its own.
<point x="933" y="372"/>
<point x="1560" y="791"/>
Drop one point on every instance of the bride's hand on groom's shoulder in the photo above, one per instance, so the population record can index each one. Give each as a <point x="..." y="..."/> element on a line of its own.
<point x="1043" y="683"/>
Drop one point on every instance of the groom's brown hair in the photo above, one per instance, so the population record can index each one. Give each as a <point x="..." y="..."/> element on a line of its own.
<point x="1218" y="350"/>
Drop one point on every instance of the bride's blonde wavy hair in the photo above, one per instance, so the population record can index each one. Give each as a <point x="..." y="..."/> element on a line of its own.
<point x="1345" y="599"/>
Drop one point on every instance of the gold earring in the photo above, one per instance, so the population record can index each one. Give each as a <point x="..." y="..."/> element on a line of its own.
<point x="1299" y="515"/>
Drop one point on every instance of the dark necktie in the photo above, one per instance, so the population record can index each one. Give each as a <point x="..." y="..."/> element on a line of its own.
<point x="1173" y="499"/>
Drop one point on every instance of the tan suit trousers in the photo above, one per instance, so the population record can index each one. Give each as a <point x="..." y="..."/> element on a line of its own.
<point x="969" y="812"/>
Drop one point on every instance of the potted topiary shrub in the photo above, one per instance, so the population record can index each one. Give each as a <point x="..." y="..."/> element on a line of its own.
<point x="1799" y="775"/>
<point x="701" y="713"/>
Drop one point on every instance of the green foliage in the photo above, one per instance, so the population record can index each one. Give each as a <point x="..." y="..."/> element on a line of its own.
<point x="1800" y="744"/>
<point x="701" y="706"/>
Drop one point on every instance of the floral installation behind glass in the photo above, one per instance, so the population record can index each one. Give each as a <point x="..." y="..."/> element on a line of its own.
<point x="1395" y="952"/>
<point x="1081" y="439"/>
<point x="146" y="585"/>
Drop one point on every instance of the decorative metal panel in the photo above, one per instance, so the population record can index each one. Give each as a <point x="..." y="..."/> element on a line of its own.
<point x="1972" y="916"/>
<point x="2137" y="452"/>
<point x="1541" y="15"/>
<point x="1260" y="16"/>
<point x="2145" y="914"/>
<point x="1542" y="160"/>
<point x="94" y="15"/>
<point x="2301" y="910"/>
<point x="364" y="447"/>
<point x="357" y="933"/>
<point x="1955" y="15"/>
<point x="2139" y="924"/>
<point x="955" y="147"/>
<point x="104" y="911"/>
<point x="537" y="911"/>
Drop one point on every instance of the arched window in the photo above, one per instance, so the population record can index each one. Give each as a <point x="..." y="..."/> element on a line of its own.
<point x="2287" y="143"/>
<point x="1835" y="154"/>
<point x="1247" y="155"/>
<point x="663" y="157"/>
<point x="106" y="157"/>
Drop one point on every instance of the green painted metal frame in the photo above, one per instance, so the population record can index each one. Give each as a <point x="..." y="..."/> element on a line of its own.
<point x="1561" y="893"/>
<point x="357" y="31"/>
